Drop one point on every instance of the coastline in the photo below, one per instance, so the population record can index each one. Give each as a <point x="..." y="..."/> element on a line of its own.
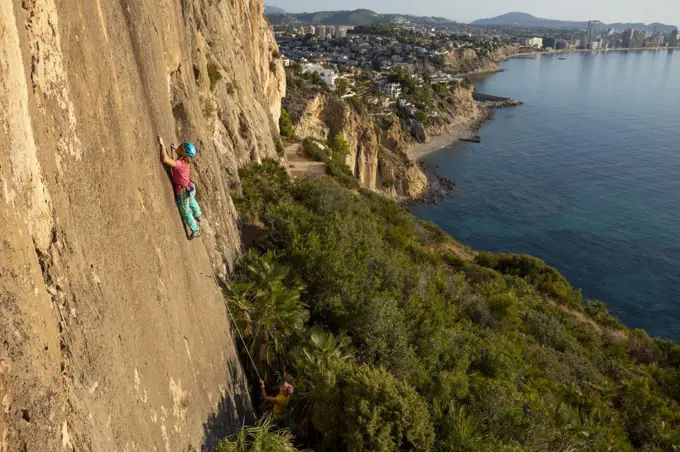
<point x="482" y="72"/>
<point x="457" y="131"/>
<point x="439" y="187"/>
<point x="452" y="135"/>
<point x="560" y="52"/>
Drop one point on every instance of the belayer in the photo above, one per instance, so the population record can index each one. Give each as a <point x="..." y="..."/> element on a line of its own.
<point x="280" y="401"/>
<point x="185" y="190"/>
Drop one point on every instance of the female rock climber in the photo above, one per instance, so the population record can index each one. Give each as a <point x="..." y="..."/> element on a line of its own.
<point x="280" y="402"/>
<point x="185" y="190"/>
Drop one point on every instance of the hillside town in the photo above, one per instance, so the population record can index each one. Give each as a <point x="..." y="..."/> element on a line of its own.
<point x="374" y="46"/>
<point x="363" y="45"/>
<point x="364" y="61"/>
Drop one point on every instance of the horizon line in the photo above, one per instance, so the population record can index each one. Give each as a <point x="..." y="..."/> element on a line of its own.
<point x="462" y="22"/>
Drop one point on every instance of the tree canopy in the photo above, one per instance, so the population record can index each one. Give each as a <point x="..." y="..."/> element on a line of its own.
<point x="414" y="343"/>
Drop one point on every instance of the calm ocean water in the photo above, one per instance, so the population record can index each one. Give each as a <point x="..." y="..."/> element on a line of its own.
<point x="585" y="175"/>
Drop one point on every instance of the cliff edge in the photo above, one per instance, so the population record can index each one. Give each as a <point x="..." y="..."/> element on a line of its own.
<point x="113" y="333"/>
<point x="376" y="152"/>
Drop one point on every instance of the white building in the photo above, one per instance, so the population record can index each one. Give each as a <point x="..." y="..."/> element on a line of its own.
<point x="340" y="32"/>
<point x="392" y="90"/>
<point x="321" y="32"/>
<point x="535" y="42"/>
<point x="327" y="75"/>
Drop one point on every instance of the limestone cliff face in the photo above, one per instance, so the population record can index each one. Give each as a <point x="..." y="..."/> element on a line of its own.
<point x="464" y="108"/>
<point x="502" y="53"/>
<point x="462" y="111"/>
<point x="469" y="61"/>
<point x="376" y="157"/>
<point x="466" y="61"/>
<point x="113" y="333"/>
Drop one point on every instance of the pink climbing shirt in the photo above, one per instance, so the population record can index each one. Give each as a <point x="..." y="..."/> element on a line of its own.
<point x="181" y="175"/>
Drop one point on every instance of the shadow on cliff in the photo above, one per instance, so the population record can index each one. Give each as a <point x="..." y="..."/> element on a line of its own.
<point x="233" y="412"/>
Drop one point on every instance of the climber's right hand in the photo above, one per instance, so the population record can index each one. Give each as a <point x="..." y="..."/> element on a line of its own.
<point x="160" y="141"/>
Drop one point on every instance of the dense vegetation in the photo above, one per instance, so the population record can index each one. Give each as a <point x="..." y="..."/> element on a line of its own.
<point x="333" y="156"/>
<point x="286" y="124"/>
<point x="398" y="339"/>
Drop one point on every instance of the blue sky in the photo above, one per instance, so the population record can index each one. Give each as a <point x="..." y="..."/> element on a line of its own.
<point x="647" y="11"/>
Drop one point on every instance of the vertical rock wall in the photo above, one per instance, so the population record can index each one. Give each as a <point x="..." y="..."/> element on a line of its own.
<point x="113" y="333"/>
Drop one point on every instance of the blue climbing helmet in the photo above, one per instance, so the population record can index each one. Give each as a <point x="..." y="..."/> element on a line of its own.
<point x="189" y="149"/>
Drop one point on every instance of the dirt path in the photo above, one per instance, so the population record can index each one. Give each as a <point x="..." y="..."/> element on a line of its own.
<point x="459" y="251"/>
<point x="302" y="166"/>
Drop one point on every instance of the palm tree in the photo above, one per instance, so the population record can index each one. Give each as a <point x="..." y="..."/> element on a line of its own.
<point x="321" y="348"/>
<point x="461" y="430"/>
<point x="313" y="362"/>
<point x="259" y="438"/>
<point x="266" y="305"/>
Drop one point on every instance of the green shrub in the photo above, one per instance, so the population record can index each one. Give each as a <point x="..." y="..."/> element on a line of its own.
<point x="536" y="272"/>
<point x="262" y="437"/>
<point x="645" y="414"/>
<point x="265" y="302"/>
<point x="285" y="124"/>
<point x="362" y="408"/>
<point x="339" y="146"/>
<point x="435" y="232"/>
<point x="316" y="78"/>
<point x="280" y="150"/>
<point x="342" y="173"/>
<point x="262" y="184"/>
<point x="214" y="75"/>
<point x="208" y="108"/>
<point x="312" y="150"/>
<point x="357" y="104"/>
<point x="400" y="327"/>
<point x="461" y="431"/>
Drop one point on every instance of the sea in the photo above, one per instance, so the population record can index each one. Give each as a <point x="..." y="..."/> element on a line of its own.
<point x="585" y="175"/>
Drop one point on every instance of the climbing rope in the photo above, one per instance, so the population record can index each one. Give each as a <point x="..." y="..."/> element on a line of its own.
<point x="231" y="316"/>
<point x="242" y="340"/>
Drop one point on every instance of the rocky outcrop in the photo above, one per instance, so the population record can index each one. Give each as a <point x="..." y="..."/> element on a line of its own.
<point x="462" y="110"/>
<point x="471" y="61"/>
<point x="376" y="154"/>
<point x="464" y="107"/>
<point x="503" y="53"/>
<point x="378" y="148"/>
<point x="113" y="332"/>
<point x="468" y="61"/>
<point x="503" y="103"/>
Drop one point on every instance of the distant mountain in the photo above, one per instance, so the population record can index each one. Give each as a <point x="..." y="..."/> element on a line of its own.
<point x="527" y="20"/>
<point x="356" y="17"/>
<point x="271" y="10"/>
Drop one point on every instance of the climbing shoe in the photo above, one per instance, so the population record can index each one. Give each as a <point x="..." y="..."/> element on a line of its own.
<point x="195" y="235"/>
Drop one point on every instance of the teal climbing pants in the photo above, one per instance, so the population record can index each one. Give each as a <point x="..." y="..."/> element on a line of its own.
<point x="189" y="209"/>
